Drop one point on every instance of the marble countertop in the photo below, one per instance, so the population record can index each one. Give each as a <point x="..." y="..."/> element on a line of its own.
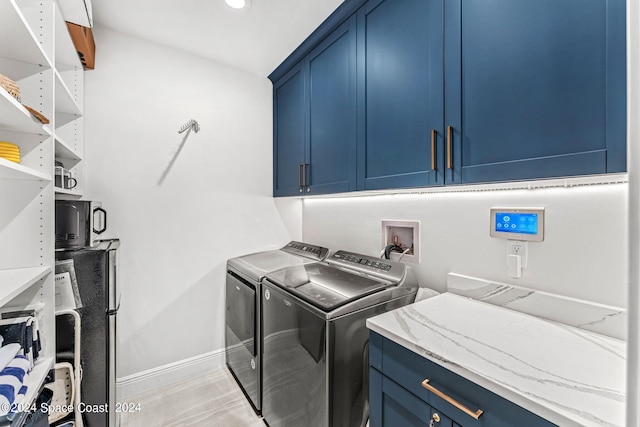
<point x="568" y="376"/>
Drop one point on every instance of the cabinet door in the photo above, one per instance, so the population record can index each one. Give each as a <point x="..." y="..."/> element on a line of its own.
<point x="331" y="151"/>
<point x="408" y="369"/>
<point x="392" y="405"/>
<point x="535" y="88"/>
<point x="288" y="133"/>
<point x="400" y="94"/>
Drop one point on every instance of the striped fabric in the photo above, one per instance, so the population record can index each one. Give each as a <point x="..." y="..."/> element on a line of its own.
<point x="13" y="384"/>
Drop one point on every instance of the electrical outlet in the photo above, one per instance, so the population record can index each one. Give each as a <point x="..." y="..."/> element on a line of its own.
<point x="520" y="248"/>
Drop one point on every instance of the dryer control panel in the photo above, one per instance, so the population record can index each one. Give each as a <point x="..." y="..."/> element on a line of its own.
<point x="306" y="250"/>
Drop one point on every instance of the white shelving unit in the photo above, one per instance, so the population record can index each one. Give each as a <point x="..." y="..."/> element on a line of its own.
<point x="17" y="280"/>
<point x="15" y="117"/>
<point x="37" y="53"/>
<point x="69" y="84"/>
<point x="12" y="170"/>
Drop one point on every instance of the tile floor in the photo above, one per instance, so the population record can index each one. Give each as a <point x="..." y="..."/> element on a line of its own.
<point x="209" y="401"/>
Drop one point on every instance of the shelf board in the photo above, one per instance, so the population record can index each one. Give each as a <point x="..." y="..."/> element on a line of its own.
<point x="14" y="117"/>
<point x="65" y="102"/>
<point x="64" y="151"/>
<point x="19" y="42"/>
<point x="72" y="192"/>
<point x="37" y="376"/>
<point x="77" y="11"/>
<point x="16" y="280"/>
<point x="12" y="170"/>
<point x="66" y="54"/>
<point x="17" y="70"/>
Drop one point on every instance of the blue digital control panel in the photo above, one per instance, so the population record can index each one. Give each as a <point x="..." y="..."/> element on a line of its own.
<point x="511" y="222"/>
<point x="525" y="224"/>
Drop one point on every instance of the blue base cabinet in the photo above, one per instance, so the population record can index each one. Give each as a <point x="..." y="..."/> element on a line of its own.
<point x="395" y="406"/>
<point x="415" y="93"/>
<point x="398" y="398"/>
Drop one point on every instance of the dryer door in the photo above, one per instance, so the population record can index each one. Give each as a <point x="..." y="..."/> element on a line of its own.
<point x="241" y="347"/>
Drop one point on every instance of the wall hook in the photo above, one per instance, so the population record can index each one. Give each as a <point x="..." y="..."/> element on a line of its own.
<point x="190" y="124"/>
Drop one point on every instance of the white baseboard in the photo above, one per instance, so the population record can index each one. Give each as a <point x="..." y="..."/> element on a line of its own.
<point x="133" y="385"/>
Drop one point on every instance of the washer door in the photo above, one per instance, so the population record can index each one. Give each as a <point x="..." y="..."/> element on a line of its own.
<point x="294" y="361"/>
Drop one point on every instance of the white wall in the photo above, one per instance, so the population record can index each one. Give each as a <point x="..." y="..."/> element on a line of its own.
<point x="215" y="202"/>
<point x="584" y="253"/>
<point x="633" y="80"/>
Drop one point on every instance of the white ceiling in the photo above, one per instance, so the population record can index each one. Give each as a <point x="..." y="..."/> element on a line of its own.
<point x="256" y="40"/>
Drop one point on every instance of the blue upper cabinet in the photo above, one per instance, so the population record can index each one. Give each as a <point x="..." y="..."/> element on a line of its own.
<point x="415" y="93"/>
<point x="288" y="133"/>
<point x="331" y="149"/>
<point x="400" y="94"/>
<point x="534" y="88"/>
<point x="315" y="119"/>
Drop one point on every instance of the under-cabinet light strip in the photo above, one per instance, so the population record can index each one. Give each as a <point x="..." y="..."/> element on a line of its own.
<point x="584" y="181"/>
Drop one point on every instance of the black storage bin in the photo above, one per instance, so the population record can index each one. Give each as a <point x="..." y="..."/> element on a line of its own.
<point x="40" y="418"/>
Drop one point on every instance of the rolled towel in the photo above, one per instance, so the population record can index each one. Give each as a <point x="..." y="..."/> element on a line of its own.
<point x="9" y="388"/>
<point x="7" y="353"/>
<point x="13" y="380"/>
<point x="5" y="404"/>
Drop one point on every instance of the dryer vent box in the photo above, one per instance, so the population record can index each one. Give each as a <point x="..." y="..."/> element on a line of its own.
<point x="405" y="234"/>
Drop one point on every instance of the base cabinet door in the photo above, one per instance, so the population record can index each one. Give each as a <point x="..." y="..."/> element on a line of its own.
<point x="395" y="406"/>
<point x="398" y="396"/>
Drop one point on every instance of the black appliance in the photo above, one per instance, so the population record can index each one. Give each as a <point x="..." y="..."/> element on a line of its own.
<point x="79" y="223"/>
<point x="95" y="270"/>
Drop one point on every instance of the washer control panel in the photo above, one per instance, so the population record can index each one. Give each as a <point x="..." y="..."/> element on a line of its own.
<point x="390" y="270"/>
<point x="359" y="260"/>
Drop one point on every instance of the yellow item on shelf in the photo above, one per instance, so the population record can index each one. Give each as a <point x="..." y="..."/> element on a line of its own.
<point x="10" y="151"/>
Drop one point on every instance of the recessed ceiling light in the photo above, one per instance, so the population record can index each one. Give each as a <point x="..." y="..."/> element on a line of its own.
<point x="238" y="4"/>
